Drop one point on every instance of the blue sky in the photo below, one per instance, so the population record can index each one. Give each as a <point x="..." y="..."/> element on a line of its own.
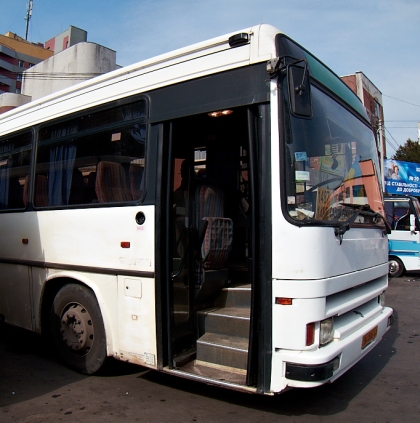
<point x="378" y="37"/>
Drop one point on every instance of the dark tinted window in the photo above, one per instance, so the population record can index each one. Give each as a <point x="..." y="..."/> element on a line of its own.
<point x="15" y="160"/>
<point x="95" y="158"/>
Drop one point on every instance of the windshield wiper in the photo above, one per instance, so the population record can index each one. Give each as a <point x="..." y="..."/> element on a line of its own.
<point x="359" y="209"/>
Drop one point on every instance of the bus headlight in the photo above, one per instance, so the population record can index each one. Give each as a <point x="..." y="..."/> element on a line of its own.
<point x="326" y="331"/>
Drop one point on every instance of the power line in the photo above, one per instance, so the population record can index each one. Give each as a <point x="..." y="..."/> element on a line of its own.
<point x="396" y="146"/>
<point x="402" y="101"/>
<point x="56" y="75"/>
<point x="49" y="76"/>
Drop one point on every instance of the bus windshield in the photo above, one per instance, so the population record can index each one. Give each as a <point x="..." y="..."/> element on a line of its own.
<point x="331" y="165"/>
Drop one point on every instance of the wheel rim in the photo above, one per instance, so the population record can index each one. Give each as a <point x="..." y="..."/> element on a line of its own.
<point x="76" y="328"/>
<point x="394" y="267"/>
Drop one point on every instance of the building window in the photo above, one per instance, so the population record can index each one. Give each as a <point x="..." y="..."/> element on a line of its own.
<point x="377" y="110"/>
<point x="21" y="63"/>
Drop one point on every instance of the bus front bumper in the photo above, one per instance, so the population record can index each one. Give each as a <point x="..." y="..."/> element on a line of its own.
<point x="312" y="373"/>
<point x="326" y="364"/>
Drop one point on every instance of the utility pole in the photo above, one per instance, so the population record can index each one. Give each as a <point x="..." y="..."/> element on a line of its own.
<point x="28" y="17"/>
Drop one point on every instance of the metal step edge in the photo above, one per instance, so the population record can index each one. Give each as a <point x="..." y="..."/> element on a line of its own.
<point x="226" y="312"/>
<point x="237" y="288"/>
<point x="219" y="344"/>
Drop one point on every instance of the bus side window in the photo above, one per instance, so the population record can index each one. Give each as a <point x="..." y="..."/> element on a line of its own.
<point x="136" y="175"/>
<point x="90" y="192"/>
<point x="389" y="211"/>
<point x="77" y="190"/>
<point x="403" y="223"/>
<point x="15" y="193"/>
<point x="111" y="183"/>
<point x="15" y="153"/>
<point x="402" y="216"/>
<point x="41" y="191"/>
<point x="96" y="157"/>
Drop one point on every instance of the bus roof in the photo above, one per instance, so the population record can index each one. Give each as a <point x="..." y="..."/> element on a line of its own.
<point x="162" y="66"/>
<point x="186" y="63"/>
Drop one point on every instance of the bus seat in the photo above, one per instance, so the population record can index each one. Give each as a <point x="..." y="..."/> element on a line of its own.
<point x="217" y="242"/>
<point x="77" y="190"/>
<point x="26" y="191"/>
<point x="15" y="193"/>
<point x="135" y="175"/>
<point x="214" y="230"/>
<point x="111" y="183"/>
<point x="41" y="191"/>
<point x="214" y="242"/>
<point x="90" y="192"/>
<point x="209" y="202"/>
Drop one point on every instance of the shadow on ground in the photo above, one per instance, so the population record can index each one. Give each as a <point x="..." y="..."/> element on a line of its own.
<point x="326" y="400"/>
<point x="29" y="369"/>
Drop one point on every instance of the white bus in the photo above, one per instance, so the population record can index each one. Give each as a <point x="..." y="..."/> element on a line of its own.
<point x="403" y="215"/>
<point x="197" y="214"/>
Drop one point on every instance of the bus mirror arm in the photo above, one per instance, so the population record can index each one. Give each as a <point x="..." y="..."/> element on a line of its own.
<point x="298" y="82"/>
<point x="299" y="90"/>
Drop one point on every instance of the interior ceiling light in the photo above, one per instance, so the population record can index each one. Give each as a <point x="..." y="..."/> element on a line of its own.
<point x="221" y="113"/>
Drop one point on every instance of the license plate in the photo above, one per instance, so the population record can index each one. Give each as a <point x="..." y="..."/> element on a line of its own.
<point x="369" y="337"/>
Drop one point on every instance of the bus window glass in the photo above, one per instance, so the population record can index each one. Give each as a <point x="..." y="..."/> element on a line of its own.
<point x="330" y="161"/>
<point x="416" y="208"/>
<point x="15" y="160"/>
<point x="95" y="158"/>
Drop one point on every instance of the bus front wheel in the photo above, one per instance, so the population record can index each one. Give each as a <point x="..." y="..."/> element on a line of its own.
<point x="396" y="267"/>
<point x="77" y="329"/>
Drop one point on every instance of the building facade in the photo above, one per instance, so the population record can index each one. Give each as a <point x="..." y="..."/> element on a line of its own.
<point x="75" y="64"/>
<point x="66" y="39"/>
<point x="371" y="98"/>
<point x="16" y="56"/>
<point x="30" y="71"/>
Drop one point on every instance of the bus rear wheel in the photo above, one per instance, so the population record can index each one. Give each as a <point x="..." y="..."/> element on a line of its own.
<point x="77" y="329"/>
<point x="396" y="267"/>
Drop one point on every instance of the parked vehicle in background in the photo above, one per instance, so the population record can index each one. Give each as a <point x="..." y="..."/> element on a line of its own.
<point x="403" y="213"/>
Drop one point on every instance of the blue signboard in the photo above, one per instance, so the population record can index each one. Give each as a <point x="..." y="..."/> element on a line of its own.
<point x="402" y="177"/>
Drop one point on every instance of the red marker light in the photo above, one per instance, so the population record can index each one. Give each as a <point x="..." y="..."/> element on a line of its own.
<point x="283" y="301"/>
<point x="125" y="244"/>
<point x="310" y="334"/>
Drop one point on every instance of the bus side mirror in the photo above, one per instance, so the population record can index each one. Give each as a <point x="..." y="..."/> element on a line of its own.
<point x="299" y="91"/>
<point x="412" y="223"/>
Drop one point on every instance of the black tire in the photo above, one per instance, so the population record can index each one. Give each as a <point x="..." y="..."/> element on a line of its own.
<point x="396" y="267"/>
<point x="77" y="329"/>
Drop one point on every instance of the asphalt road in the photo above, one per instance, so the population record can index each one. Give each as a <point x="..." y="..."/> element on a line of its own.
<point x="383" y="387"/>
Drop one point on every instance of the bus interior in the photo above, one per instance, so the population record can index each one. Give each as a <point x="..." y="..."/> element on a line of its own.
<point x="212" y="244"/>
